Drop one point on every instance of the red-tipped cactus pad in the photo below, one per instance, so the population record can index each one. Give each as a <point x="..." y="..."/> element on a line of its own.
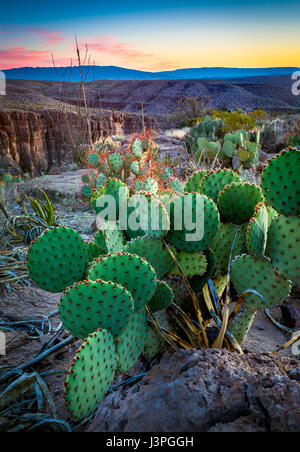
<point x="57" y="259"/>
<point x="130" y="344"/>
<point x="237" y="202"/>
<point x="91" y="373"/>
<point x="89" y="305"/>
<point x="258" y="274"/>
<point x="131" y="271"/>
<point x="284" y="246"/>
<point x="280" y="182"/>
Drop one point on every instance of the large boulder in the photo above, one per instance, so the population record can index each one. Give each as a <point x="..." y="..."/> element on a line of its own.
<point x="205" y="391"/>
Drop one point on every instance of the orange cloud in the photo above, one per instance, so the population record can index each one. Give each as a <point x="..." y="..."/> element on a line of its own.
<point x="20" y="57"/>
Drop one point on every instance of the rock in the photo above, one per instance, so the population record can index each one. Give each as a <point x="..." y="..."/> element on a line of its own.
<point x="207" y="390"/>
<point x="34" y="141"/>
<point x="264" y="157"/>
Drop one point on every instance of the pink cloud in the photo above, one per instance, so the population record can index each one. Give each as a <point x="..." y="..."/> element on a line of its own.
<point x="110" y="45"/>
<point x="20" y="57"/>
<point x="52" y="37"/>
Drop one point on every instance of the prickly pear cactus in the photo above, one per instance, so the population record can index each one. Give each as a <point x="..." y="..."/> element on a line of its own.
<point x="192" y="264"/>
<point x="280" y="182"/>
<point x="238" y="201"/>
<point x="193" y="207"/>
<point x="93" y="160"/>
<point x="88" y="305"/>
<point x="162" y="298"/>
<point x="137" y="148"/>
<point x="230" y="240"/>
<point x="57" y="259"/>
<point x="193" y="183"/>
<point x="284" y="246"/>
<point x="153" y="251"/>
<point x="131" y="343"/>
<point x="198" y="282"/>
<point x="116" y="161"/>
<point x="215" y="181"/>
<point x="154" y="344"/>
<point x="114" y="188"/>
<point x="151" y="185"/>
<point x="257" y="231"/>
<point x="258" y="274"/>
<point x="91" y="372"/>
<point x="93" y="251"/>
<point x="131" y="271"/>
<point x="146" y="217"/>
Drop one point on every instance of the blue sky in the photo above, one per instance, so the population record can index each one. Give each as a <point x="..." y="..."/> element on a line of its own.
<point x="153" y="35"/>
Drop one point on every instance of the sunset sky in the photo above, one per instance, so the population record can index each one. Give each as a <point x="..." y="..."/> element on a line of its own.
<point x="152" y="36"/>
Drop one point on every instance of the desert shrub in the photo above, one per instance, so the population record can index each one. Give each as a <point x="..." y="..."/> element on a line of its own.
<point x="292" y="138"/>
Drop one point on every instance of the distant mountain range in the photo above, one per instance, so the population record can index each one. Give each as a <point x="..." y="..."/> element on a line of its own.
<point x="92" y="73"/>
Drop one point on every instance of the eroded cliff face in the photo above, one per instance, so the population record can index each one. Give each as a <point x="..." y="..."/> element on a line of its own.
<point x="34" y="141"/>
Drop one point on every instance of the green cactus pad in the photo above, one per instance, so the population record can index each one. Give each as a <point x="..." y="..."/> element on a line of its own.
<point x="228" y="149"/>
<point x="132" y="272"/>
<point x="153" y="251"/>
<point x="93" y="159"/>
<point x="114" y="238"/>
<point x="192" y="264"/>
<point x="198" y="282"/>
<point x="116" y="161"/>
<point x="247" y="272"/>
<point x="88" y="305"/>
<point x="193" y="183"/>
<point x="112" y="187"/>
<point x="57" y="259"/>
<point x="162" y="298"/>
<point x="220" y="283"/>
<point x="240" y="137"/>
<point x="93" y="251"/>
<point x="209" y="214"/>
<point x="284" y="246"/>
<point x="101" y="179"/>
<point x="238" y="201"/>
<point x="154" y="344"/>
<point x="137" y="148"/>
<point x="215" y="182"/>
<point x="100" y="241"/>
<point x="230" y="239"/>
<point x="146" y="208"/>
<point x="177" y="186"/>
<point x="280" y="182"/>
<point x="257" y="231"/>
<point x="86" y="191"/>
<point x="151" y="185"/>
<point x="131" y="343"/>
<point x="85" y="179"/>
<point x="91" y="372"/>
<point x="135" y="168"/>
<point x="242" y="323"/>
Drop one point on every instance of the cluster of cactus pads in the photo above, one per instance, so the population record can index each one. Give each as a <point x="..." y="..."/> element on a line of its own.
<point x="7" y="179"/>
<point x="207" y="143"/>
<point x="139" y="166"/>
<point x="248" y="231"/>
<point x="103" y="302"/>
